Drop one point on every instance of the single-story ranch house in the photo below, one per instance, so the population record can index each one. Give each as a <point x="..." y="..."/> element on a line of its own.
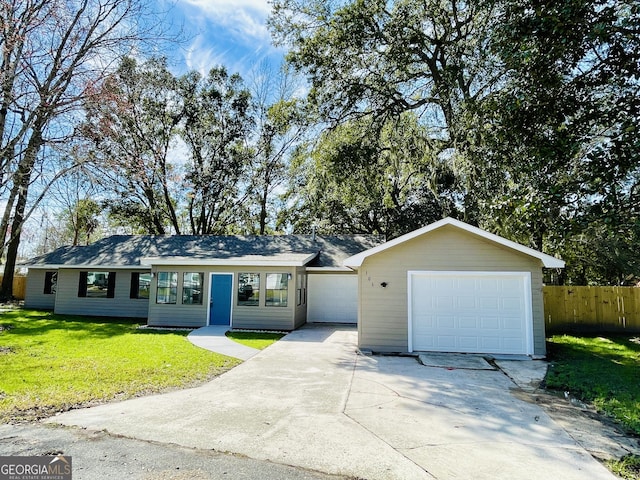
<point x="447" y="287"/>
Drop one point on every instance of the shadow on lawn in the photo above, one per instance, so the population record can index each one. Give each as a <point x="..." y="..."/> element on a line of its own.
<point x="619" y="349"/>
<point x="603" y="370"/>
<point x="36" y="323"/>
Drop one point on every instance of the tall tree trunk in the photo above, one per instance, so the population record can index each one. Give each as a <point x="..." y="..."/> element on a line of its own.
<point x="22" y="179"/>
<point x="6" y="217"/>
<point x="263" y="209"/>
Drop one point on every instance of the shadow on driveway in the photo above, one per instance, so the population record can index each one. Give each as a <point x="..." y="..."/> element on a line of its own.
<point x="310" y="400"/>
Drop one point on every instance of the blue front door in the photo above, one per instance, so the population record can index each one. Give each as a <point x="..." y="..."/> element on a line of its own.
<point x="220" y="299"/>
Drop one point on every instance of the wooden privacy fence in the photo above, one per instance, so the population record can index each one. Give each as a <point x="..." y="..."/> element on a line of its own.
<point x="19" y="286"/>
<point x="591" y="309"/>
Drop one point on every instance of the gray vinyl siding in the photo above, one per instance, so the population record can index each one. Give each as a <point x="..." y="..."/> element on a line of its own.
<point x="300" y="310"/>
<point x="178" y="315"/>
<point x="263" y="318"/>
<point x="169" y="315"/>
<point x="249" y="317"/>
<point x="68" y="302"/>
<point x="383" y="312"/>
<point x="34" y="294"/>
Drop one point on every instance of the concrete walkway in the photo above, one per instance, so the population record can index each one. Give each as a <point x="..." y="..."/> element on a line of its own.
<point x="213" y="338"/>
<point x="310" y="400"/>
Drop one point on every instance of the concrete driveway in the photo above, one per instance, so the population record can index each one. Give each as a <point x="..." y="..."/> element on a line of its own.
<point x="310" y="400"/>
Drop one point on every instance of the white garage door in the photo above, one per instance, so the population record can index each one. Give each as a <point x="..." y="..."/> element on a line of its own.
<point x="332" y="298"/>
<point x="470" y="312"/>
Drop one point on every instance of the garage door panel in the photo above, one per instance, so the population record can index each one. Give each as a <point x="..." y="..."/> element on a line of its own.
<point x="511" y="303"/>
<point x="489" y="323"/>
<point x="467" y="284"/>
<point x="445" y="321"/>
<point x="445" y="342"/>
<point x="511" y="343"/>
<point x="473" y="312"/>
<point x="513" y="323"/>
<point x="490" y="344"/>
<point x="444" y="302"/>
<point x="332" y="298"/>
<point x="424" y="323"/>
<point x="466" y="302"/>
<point x="467" y="342"/>
<point x="427" y="340"/>
<point x="488" y="285"/>
<point x="468" y="322"/>
<point x="489" y="303"/>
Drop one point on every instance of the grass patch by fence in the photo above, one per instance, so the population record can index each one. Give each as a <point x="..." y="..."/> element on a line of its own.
<point x="604" y="371"/>
<point x="53" y="363"/>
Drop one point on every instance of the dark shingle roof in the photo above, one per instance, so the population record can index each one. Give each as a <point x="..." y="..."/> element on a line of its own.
<point x="129" y="250"/>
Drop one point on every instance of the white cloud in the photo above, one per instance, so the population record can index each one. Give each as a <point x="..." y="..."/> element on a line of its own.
<point x="201" y="56"/>
<point x="244" y="19"/>
<point x="232" y="33"/>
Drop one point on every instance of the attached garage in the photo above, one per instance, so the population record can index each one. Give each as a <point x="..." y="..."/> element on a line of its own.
<point x="332" y="298"/>
<point x="451" y="287"/>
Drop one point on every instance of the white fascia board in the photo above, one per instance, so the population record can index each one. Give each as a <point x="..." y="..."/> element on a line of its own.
<point x="547" y="260"/>
<point x="86" y="267"/>
<point x="330" y="269"/>
<point x="299" y="261"/>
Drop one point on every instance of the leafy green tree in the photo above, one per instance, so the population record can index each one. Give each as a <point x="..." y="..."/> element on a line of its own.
<point x="533" y="107"/>
<point x="132" y="126"/>
<point x="566" y="133"/>
<point x="379" y="59"/>
<point x="82" y="220"/>
<point x="216" y="127"/>
<point x="362" y="180"/>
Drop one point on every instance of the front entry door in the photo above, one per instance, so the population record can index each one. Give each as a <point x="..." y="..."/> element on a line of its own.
<point x="220" y="299"/>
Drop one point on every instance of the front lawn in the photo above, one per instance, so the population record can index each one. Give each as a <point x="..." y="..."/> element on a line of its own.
<point x="259" y="340"/>
<point x="604" y="371"/>
<point x="52" y="363"/>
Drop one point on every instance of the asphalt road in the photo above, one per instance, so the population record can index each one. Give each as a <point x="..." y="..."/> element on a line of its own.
<point x="100" y="456"/>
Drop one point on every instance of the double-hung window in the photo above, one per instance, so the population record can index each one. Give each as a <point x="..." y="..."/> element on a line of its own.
<point x="277" y="292"/>
<point x="192" y="288"/>
<point x="248" y="289"/>
<point x="167" y="287"/>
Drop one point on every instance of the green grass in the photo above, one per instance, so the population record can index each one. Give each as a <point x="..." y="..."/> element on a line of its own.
<point x="259" y="340"/>
<point x="53" y="363"/>
<point x="627" y="467"/>
<point x="604" y="371"/>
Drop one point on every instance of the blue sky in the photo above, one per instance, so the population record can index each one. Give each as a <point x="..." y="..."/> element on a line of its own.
<point x="232" y="33"/>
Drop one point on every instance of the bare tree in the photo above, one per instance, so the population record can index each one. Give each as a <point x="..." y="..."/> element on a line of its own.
<point x="279" y="129"/>
<point x="55" y="53"/>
